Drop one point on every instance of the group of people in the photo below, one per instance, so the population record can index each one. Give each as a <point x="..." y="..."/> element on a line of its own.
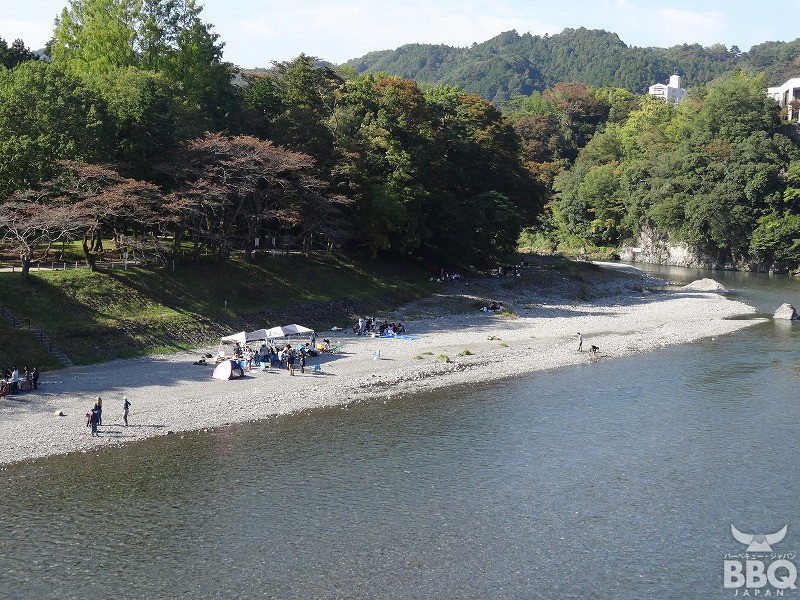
<point x="13" y="382"/>
<point x="94" y="418"/>
<point x="370" y="325"/>
<point x="445" y="276"/>
<point x="492" y="307"/>
<point x="280" y="356"/>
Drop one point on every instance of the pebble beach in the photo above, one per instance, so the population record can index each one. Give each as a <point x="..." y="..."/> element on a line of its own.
<point x="455" y="343"/>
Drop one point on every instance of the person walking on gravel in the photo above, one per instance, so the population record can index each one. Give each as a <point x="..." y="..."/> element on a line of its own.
<point x="125" y="407"/>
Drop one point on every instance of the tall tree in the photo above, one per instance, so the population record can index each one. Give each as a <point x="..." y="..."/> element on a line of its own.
<point x="97" y="37"/>
<point x="382" y="130"/>
<point x="46" y="113"/>
<point x="29" y="223"/>
<point x="482" y="177"/>
<point x="294" y="102"/>
<point x="242" y="188"/>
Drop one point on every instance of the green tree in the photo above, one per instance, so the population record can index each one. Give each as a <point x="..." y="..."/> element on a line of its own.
<point x="735" y="107"/>
<point x="47" y="114"/>
<point x="97" y="36"/>
<point x="295" y="101"/>
<point x="149" y="115"/>
<point x="480" y="169"/>
<point x="382" y="132"/>
<point x="776" y="239"/>
<point x="11" y="56"/>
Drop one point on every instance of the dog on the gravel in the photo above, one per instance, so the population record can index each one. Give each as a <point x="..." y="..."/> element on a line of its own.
<point x="593" y="349"/>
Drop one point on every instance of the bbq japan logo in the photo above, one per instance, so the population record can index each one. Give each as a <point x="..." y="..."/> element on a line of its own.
<point x="760" y="571"/>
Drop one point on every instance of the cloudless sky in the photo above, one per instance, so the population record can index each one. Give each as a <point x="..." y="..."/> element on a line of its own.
<point x="257" y="32"/>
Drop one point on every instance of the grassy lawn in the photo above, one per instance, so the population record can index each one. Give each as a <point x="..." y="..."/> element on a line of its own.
<point x="119" y="313"/>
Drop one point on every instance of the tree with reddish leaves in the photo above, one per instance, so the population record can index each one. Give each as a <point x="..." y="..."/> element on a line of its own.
<point x="578" y="111"/>
<point x="29" y="222"/>
<point x="133" y="211"/>
<point x="233" y="190"/>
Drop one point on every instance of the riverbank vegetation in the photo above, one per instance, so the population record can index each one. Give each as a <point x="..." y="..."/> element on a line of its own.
<point x="718" y="172"/>
<point x="106" y="314"/>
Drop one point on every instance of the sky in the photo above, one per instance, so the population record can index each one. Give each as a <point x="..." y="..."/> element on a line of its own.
<point x="258" y="32"/>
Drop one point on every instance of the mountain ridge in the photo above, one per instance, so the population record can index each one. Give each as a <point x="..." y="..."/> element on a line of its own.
<point x="518" y="64"/>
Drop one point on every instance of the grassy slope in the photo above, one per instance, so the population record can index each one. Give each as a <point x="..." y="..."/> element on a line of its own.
<point x="100" y="316"/>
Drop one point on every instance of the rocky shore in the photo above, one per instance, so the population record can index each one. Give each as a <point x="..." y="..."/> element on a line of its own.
<point x="456" y="343"/>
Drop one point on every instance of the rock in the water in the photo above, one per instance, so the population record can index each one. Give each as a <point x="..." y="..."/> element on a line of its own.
<point x="786" y="311"/>
<point x="706" y="285"/>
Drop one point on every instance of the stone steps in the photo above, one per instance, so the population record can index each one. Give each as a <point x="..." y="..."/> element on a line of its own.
<point x="46" y="342"/>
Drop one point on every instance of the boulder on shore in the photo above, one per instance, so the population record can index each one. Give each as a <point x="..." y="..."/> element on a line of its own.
<point x="787" y="312"/>
<point x="706" y="285"/>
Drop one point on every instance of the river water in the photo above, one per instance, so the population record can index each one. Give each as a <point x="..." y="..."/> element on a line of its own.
<point x="615" y="479"/>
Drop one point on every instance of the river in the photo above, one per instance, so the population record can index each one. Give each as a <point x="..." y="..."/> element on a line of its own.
<point x="614" y="479"/>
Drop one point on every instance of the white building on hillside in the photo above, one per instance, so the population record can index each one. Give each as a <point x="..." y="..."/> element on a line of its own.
<point x="671" y="92"/>
<point x="786" y="94"/>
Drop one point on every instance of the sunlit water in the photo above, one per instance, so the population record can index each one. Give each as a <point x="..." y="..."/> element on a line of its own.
<point x="616" y="479"/>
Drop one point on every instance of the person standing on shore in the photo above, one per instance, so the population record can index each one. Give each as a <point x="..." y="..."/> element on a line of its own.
<point x="35" y="376"/>
<point x="94" y="418"/>
<point x="125" y="406"/>
<point x="289" y="359"/>
<point x="580" y="342"/>
<point x="98" y="405"/>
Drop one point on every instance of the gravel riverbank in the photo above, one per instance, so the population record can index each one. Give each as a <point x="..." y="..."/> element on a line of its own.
<point x="538" y="331"/>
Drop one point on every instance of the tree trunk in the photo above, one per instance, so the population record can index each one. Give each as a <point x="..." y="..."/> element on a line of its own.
<point x="89" y="256"/>
<point x="177" y="238"/>
<point x="26" y="265"/>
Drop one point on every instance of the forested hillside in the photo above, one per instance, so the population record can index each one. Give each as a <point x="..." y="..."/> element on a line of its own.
<point x="720" y="172"/>
<point x="512" y="64"/>
<point x="139" y="138"/>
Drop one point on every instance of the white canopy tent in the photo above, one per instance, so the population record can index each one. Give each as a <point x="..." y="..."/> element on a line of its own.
<point x="240" y="337"/>
<point x="295" y="329"/>
<point x="257" y="335"/>
<point x="277" y="332"/>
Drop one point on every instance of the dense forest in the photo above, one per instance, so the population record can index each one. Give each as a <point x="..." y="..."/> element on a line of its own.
<point x="138" y="131"/>
<point x="719" y="172"/>
<point x="134" y="129"/>
<point x="512" y="64"/>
